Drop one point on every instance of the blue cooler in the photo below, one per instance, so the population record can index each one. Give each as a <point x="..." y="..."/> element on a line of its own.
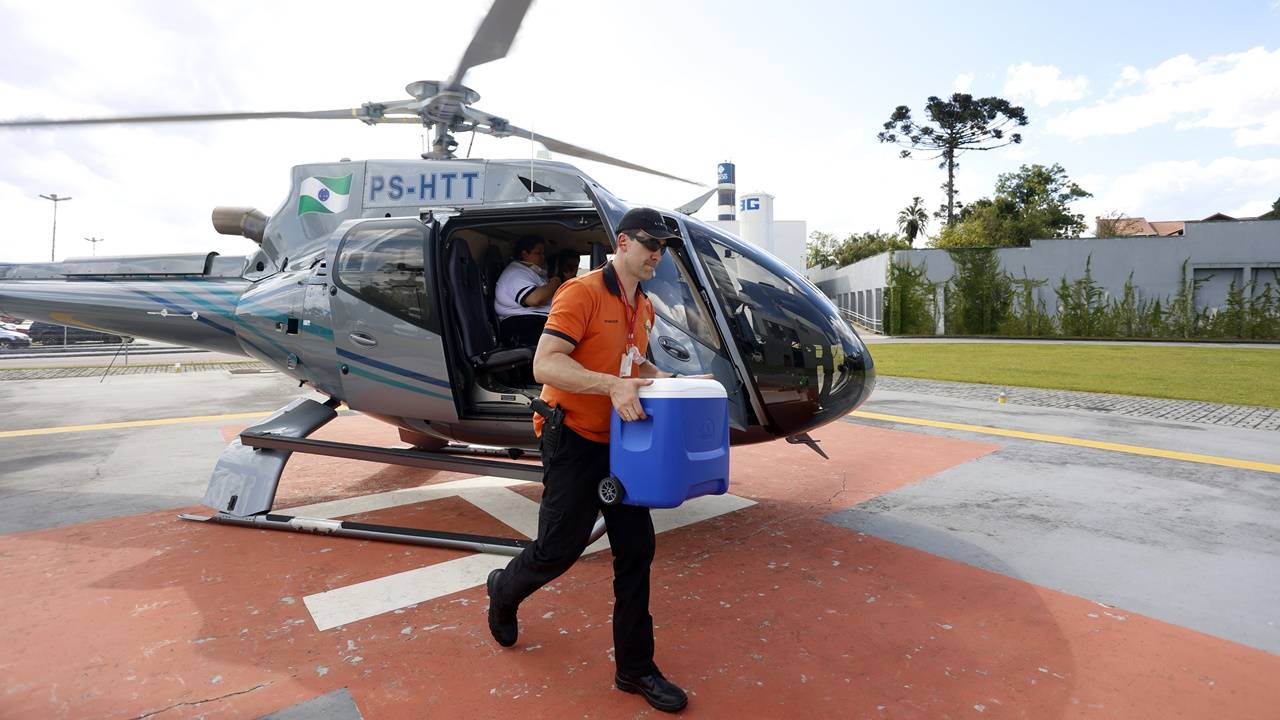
<point x="680" y="451"/>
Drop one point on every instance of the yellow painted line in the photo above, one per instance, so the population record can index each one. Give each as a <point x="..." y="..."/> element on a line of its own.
<point x="131" y="424"/>
<point x="1078" y="442"/>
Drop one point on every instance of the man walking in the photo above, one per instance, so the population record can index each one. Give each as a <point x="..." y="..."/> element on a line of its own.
<point x="591" y="358"/>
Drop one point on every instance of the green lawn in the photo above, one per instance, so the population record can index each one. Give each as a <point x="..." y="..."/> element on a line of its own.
<point x="1243" y="376"/>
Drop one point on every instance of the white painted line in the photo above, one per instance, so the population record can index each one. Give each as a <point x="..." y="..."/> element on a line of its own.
<point x="392" y="592"/>
<point x="511" y="508"/>
<point x="396" y="498"/>
<point x="374" y="597"/>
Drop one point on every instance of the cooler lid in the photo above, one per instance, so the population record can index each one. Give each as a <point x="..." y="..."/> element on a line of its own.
<point x="683" y="388"/>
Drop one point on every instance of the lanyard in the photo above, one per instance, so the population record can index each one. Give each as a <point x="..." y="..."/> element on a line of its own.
<point x="631" y="315"/>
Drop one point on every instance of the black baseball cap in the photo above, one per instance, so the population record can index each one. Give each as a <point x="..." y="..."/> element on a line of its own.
<point x="649" y="222"/>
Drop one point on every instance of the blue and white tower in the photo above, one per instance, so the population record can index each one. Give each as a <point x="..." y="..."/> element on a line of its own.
<point x="727" y="200"/>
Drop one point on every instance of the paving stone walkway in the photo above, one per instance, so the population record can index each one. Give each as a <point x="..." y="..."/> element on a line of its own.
<point x="1242" y="416"/>
<point x="70" y="372"/>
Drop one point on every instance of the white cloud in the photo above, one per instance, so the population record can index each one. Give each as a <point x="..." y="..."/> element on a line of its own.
<point x="1187" y="190"/>
<point x="1044" y="84"/>
<point x="1239" y="92"/>
<point x="1128" y="76"/>
<point x="964" y="81"/>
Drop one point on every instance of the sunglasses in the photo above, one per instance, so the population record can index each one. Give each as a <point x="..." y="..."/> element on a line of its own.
<point x="650" y="244"/>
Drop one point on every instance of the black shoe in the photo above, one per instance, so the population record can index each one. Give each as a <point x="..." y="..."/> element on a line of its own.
<point x="502" y="622"/>
<point x="660" y="692"/>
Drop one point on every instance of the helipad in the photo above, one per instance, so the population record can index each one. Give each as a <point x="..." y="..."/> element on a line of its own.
<point x="926" y="570"/>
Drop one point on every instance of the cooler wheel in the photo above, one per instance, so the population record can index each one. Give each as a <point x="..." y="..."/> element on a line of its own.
<point x="610" y="491"/>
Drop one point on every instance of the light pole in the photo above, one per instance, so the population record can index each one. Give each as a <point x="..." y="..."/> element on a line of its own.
<point x="54" y="197"/>
<point x="95" y="242"/>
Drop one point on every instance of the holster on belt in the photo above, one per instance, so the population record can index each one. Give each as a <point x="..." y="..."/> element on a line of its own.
<point x="553" y="424"/>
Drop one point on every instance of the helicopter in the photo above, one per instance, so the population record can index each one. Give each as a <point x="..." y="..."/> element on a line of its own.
<point x="373" y="284"/>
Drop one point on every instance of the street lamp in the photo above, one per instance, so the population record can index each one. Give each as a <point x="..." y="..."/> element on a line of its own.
<point x="95" y="242"/>
<point x="54" y="197"/>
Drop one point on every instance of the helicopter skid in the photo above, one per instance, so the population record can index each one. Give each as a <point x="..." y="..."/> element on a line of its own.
<point x="388" y="533"/>
<point x="244" y="482"/>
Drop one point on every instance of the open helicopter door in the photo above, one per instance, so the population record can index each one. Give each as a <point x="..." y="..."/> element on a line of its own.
<point x="686" y="337"/>
<point x="390" y="358"/>
<point x="386" y="320"/>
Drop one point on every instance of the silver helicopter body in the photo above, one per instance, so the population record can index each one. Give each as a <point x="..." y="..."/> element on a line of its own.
<point x="373" y="283"/>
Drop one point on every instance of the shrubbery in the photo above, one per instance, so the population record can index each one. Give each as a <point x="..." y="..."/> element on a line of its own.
<point x="983" y="299"/>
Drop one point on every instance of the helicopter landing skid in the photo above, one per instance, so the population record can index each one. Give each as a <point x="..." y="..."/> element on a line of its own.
<point x="244" y="482"/>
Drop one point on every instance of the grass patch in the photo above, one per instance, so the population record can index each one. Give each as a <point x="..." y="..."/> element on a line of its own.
<point x="1240" y="376"/>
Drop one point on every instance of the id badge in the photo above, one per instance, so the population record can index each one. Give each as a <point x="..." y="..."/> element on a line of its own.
<point x="625" y="369"/>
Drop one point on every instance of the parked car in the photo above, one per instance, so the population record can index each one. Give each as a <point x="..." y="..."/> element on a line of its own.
<point x="49" y="334"/>
<point x="12" y="339"/>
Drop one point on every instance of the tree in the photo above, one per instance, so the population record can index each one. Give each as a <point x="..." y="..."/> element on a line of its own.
<point x="1275" y="212"/>
<point x="913" y="220"/>
<point x="1111" y="224"/>
<point x="825" y="250"/>
<point x="1033" y="202"/>
<point x="1046" y="194"/>
<point x="821" y="248"/>
<point x="954" y="126"/>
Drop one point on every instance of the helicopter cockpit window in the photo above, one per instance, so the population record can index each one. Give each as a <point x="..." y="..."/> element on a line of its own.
<point x="384" y="265"/>
<point x="795" y="350"/>
<point x="674" y="300"/>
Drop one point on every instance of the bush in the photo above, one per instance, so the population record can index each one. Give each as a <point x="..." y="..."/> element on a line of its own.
<point x="979" y="294"/>
<point x="907" y="299"/>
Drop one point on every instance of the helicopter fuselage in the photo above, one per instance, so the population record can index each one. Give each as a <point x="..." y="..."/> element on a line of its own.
<point x="373" y="283"/>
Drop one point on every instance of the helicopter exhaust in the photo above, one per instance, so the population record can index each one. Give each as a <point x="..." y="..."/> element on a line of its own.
<point x="244" y="221"/>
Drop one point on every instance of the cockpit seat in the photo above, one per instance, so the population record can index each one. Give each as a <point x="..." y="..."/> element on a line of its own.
<point x="479" y="339"/>
<point x="490" y="271"/>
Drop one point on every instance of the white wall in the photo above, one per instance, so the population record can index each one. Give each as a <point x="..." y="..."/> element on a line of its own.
<point x="1219" y="251"/>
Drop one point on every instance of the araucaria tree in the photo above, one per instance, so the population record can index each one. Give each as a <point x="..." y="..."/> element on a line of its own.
<point x="955" y="126"/>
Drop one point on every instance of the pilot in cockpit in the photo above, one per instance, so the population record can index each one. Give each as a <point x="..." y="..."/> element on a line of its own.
<point x="522" y="296"/>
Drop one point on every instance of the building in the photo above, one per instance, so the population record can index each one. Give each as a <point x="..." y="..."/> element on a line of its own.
<point x="1141" y="227"/>
<point x="1217" y="253"/>
<point x="784" y="239"/>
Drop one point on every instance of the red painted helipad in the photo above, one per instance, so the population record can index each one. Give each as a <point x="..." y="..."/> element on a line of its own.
<point x="763" y="611"/>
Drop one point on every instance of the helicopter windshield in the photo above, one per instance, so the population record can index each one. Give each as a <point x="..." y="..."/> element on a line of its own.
<point x="674" y="300"/>
<point x="809" y="366"/>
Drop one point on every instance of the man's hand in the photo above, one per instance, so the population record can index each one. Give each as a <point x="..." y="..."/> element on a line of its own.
<point x="625" y="396"/>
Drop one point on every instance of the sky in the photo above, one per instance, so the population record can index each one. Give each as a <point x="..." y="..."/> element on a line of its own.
<point x="1163" y="110"/>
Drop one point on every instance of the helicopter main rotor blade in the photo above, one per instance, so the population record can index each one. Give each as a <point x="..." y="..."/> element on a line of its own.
<point x="696" y="204"/>
<point x="565" y="148"/>
<point x="493" y="38"/>
<point x="359" y="113"/>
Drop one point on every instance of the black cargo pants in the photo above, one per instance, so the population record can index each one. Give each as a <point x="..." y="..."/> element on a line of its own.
<point x="565" y="517"/>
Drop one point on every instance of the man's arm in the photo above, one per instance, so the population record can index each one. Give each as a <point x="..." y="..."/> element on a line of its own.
<point x="542" y="295"/>
<point x="649" y="370"/>
<point x="553" y="366"/>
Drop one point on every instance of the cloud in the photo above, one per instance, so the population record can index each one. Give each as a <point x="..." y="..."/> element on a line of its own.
<point x="1239" y="92"/>
<point x="964" y="81"/>
<point x="1187" y="190"/>
<point x="1044" y="84"/>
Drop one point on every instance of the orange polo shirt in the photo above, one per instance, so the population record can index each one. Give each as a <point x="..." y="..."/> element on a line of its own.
<point x="589" y="312"/>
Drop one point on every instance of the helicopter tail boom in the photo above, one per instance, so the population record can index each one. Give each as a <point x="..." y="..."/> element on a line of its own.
<point x="193" y="310"/>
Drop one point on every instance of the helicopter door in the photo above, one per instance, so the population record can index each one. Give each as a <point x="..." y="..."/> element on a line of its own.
<point x="390" y="353"/>
<point x="685" y="338"/>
